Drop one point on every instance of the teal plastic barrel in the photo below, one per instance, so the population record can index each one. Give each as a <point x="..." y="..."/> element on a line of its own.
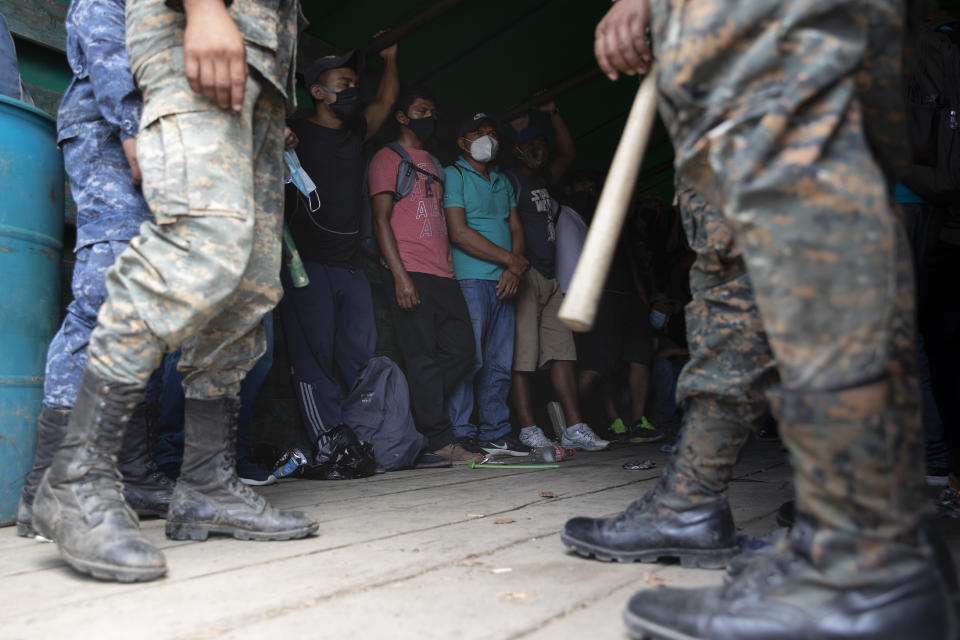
<point x="31" y="228"/>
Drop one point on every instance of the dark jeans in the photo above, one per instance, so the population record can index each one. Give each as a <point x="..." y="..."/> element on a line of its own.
<point x="436" y="340"/>
<point x="922" y="222"/>
<point x="170" y="427"/>
<point x="329" y="322"/>
<point x="665" y="373"/>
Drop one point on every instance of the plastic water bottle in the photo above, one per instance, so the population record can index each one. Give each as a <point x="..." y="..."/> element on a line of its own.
<point x="298" y="273"/>
<point x="289" y="462"/>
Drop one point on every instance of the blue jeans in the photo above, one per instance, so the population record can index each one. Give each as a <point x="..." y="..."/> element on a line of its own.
<point x="493" y="327"/>
<point x="170" y="422"/>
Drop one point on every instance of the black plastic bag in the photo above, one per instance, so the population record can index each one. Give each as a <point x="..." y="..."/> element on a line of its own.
<point x="340" y="455"/>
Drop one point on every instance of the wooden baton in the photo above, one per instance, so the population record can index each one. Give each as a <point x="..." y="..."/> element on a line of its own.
<point x="579" y="307"/>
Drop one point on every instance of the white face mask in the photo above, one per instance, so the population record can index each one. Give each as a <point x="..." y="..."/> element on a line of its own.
<point x="484" y="148"/>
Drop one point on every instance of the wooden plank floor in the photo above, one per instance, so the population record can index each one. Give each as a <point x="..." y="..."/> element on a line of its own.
<point x="448" y="553"/>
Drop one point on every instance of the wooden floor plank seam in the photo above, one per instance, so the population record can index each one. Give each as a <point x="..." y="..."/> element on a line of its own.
<point x="308" y="603"/>
<point x="169" y="544"/>
<point x="424" y="552"/>
<point x="557" y="618"/>
<point x="312" y="554"/>
<point x="411" y="532"/>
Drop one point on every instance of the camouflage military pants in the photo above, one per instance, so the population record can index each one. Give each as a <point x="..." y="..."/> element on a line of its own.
<point x="724" y="384"/>
<point x="785" y="117"/>
<point x="205" y="273"/>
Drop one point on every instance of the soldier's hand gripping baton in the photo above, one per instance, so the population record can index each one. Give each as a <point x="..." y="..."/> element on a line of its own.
<point x="579" y="306"/>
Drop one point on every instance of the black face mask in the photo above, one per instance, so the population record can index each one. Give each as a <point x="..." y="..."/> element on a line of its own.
<point x="423" y="128"/>
<point x="347" y="104"/>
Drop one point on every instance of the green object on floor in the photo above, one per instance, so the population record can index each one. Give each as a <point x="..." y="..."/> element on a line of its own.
<point x="474" y="465"/>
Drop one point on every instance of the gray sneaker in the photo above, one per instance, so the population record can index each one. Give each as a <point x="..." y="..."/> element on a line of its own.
<point x="534" y="437"/>
<point x="580" y="436"/>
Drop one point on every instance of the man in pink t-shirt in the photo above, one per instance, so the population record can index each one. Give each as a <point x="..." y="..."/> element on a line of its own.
<point x="430" y="316"/>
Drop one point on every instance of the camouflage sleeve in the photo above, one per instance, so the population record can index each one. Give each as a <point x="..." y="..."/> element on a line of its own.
<point x="177" y="5"/>
<point x="101" y="30"/>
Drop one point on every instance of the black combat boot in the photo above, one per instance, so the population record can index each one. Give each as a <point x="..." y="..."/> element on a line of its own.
<point x="51" y="427"/>
<point x="686" y="516"/>
<point x="699" y="535"/>
<point x="931" y="538"/>
<point x="79" y="503"/>
<point x="145" y="488"/>
<point x="209" y="497"/>
<point x="855" y="564"/>
<point x="784" y="596"/>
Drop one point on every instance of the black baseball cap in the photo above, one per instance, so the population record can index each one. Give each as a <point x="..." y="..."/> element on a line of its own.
<point x="352" y="59"/>
<point x="473" y="122"/>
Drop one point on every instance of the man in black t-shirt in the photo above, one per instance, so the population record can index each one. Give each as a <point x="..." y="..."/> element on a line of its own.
<point x="331" y="321"/>
<point x="541" y="339"/>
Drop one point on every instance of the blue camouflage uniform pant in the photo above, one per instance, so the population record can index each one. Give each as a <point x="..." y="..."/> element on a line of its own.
<point x="109" y="211"/>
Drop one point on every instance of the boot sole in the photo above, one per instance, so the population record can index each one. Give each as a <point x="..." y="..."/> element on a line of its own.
<point x="689" y="558"/>
<point x="112" y="573"/>
<point x="200" y="532"/>
<point x="640" y="629"/>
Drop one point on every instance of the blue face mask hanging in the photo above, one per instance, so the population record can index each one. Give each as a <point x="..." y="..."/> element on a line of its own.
<point x="301" y="180"/>
<point x="658" y="320"/>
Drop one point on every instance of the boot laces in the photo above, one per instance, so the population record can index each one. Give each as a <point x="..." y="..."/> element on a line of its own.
<point x="101" y="491"/>
<point x="650" y="497"/>
<point x="226" y="464"/>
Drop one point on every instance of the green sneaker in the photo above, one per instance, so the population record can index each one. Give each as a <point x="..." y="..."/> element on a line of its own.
<point x="618" y="427"/>
<point x="644" y="431"/>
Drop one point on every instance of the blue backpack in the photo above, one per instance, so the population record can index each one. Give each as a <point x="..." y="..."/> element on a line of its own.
<point x="406" y="178"/>
<point x="378" y="411"/>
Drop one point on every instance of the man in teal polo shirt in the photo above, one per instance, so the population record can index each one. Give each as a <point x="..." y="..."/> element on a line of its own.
<point x="487" y="239"/>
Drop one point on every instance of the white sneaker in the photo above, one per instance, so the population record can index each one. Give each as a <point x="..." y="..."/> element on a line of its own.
<point x="580" y="436"/>
<point x="534" y="437"/>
